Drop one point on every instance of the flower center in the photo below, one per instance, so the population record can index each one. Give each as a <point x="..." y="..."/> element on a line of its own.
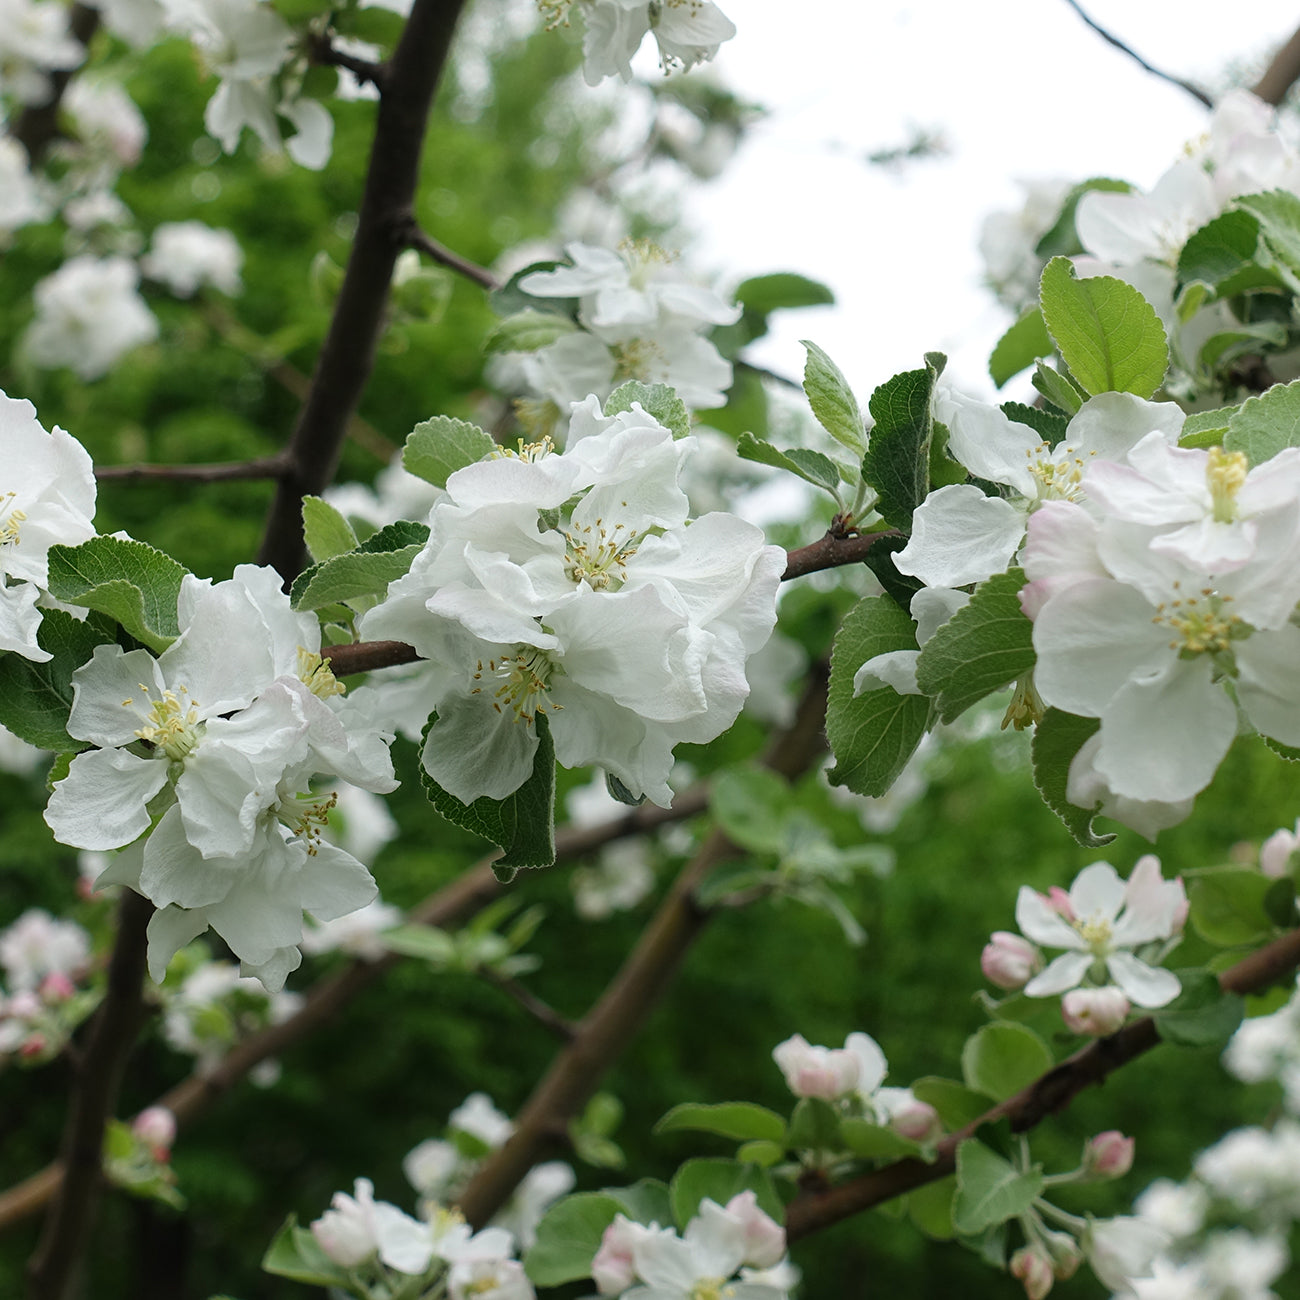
<point x="1202" y="624"/>
<point x="1225" y="472"/>
<point x="315" y="673"/>
<point x="642" y="257"/>
<point x="172" y="724"/>
<point x="636" y="359"/>
<point x="10" y="523"/>
<point x="522" y="681"/>
<point x="1060" y="475"/>
<point x="711" y="1288"/>
<point x="555" y="13"/>
<point x="1026" y="708"/>
<point x="528" y="451"/>
<point x="598" y="555"/>
<point x="1096" y="932"/>
<point x="307" y="815"/>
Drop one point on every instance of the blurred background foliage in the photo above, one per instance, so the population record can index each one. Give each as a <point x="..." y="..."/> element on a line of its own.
<point x="503" y="154"/>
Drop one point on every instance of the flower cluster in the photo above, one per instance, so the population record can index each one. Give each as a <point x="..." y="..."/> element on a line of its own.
<point x="45" y="961"/>
<point x="1102" y="924"/>
<point x="202" y="763"/>
<point x="571" y="587"/>
<point x="720" y="1242"/>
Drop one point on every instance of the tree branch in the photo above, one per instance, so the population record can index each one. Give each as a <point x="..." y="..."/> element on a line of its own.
<point x="814" y="1209"/>
<point x="347" y="357"/>
<point x="1190" y="87"/>
<point x="53" y="1268"/>
<point x="262" y="467"/>
<point x="606" y="1030"/>
<point x="1281" y="74"/>
<point x="545" y="1015"/>
<point x="37" y="126"/>
<point x="320" y="49"/>
<point x="416" y="238"/>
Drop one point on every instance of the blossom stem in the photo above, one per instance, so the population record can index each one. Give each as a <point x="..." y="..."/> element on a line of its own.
<point x="1071" y="1221"/>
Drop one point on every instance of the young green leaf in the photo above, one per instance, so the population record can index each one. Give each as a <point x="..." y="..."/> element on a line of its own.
<point x="528" y="330"/>
<point x="1202" y="1015"/>
<point x="435" y="449"/>
<point x="1020" y="347"/>
<point x="1059" y="389"/>
<point x="832" y="400"/>
<point x="1057" y="739"/>
<point x="720" y="1180"/>
<point x="366" y="571"/>
<point x="325" y="530"/>
<point x="568" y="1238"/>
<point x="811" y="466"/>
<point x="897" y="462"/>
<point x="1264" y="425"/>
<point x="999" y="1059"/>
<point x="989" y="1189"/>
<point x="741" y="1120"/>
<point x="658" y="401"/>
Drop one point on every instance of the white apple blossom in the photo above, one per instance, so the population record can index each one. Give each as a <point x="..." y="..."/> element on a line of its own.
<point x="88" y="316"/>
<point x="107" y="118"/>
<point x="1100" y="923"/>
<point x="625" y="626"/>
<point x="1122" y="1249"/>
<point x="34" y="41"/>
<point x="185" y="255"/>
<point x="21" y="199"/>
<point x="357" y="1227"/>
<point x="478" y="1117"/>
<point x="855" y="1070"/>
<point x="37" y="945"/>
<point x="47" y="497"/>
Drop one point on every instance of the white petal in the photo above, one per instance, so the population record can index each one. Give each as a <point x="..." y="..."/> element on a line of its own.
<point x="100" y="804"/>
<point x="1060" y="975"/>
<point x="1146" y="986"/>
<point x="960" y="536"/>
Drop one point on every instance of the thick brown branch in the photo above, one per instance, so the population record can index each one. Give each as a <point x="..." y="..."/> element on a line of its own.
<point x="416" y="238"/>
<point x="1281" y="74"/>
<point x="53" y="1268"/>
<point x="38" y="124"/>
<point x="1192" y="89"/>
<point x="615" y="1020"/>
<point x="263" y="467"/>
<point x="831" y="552"/>
<point x="813" y="1210"/>
<point x="347" y="357"/>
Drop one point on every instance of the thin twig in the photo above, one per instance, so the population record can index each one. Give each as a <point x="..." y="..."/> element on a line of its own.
<point x="320" y="49"/>
<point x="416" y="238"/>
<point x="65" y="1237"/>
<point x="1281" y="74"/>
<point x="1190" y="87"/>
<point x="545" y="1015"/>
<point x="613" y="1022"/>
<point x="262" y="467"/>
<point x="817" y="1208"/>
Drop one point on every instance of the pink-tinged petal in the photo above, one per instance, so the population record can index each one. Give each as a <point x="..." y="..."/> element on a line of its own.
<point x="717" y="1240"/>
<point x="1163" y="738"/>
<point x="101" y="803"/>
<point x="1097" y="893"/>
<point x="1146" y="986"/>
<point x="1274" y="483"/>
<point x="1061" y="975"/>
<point x="1209" y="546"/>
<point x="960" y="536"/>
<point x="1042" y="923"/>
<point x="1152" y="904"/>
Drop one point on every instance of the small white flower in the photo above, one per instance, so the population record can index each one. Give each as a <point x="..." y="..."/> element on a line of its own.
<point x="1122" y="1249"/>
<point x="188" y="254"/>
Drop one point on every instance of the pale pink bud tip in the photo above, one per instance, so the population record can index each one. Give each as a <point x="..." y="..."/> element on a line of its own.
<point x="1275" y="854"/>
<point x="57" y="987"/>
<point x="156" y="1128"/>
<point x="1009" y="961"/>
<point x="1034" y="1269"/>
<point x="764" y="1237"/>
<point x="33" y="1045"/>
<point x="1094" y="1012"/>
<point x="1109" y="1154"/>
<point x="1059" y="901"/>
<point x="612" y="1269"/>
<point x="918" y="1120"/>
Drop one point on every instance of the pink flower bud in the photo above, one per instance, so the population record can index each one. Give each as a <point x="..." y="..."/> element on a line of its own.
<point x="155" y="1126"/>
<point x="56" y="987"/>
<point x="1009" y="961"/>
<point x="811" y="1071"/>
<point x="1275" y="854"/>
<point x="612" y="1269"/>
<point x="1059" y="901"/>
<point x="1095" y="1012"/>
<point x="33" y="1045"/>
<point x="1065" y="1253"/>
<point x="1034" y="1269"/>
<point x="764" y="1237"/>
<point x="24" y="1005"/>
<point x="1108" y="1155"/>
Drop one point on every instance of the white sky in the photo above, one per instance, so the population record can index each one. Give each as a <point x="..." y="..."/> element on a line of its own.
<point x="1018" y="88"/>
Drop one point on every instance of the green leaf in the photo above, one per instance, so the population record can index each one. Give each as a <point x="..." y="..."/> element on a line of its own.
<point x="381" y="559"/>
<point x="764" y="1154"/>
<point x="1220" y="250"/>
<point x="1057" y="739"/>
<point x="1062" y="239"/>
<point x="1058" y="389"/>
<point x="812" y="466"/>
<point x="1202" y="1015"/>
<point x="720" y="1180"/>
<point x="814" y="1126"/>
<point x="899" y="587"/>
<point x="1020" y="347"/>
<point x="989" y="1190"/>
<point x="132" y="583"/>
<point x="528" y="330"/>
<point x="568" y="1238"/>
<point x="832" y="400"/>
<point x="295" y="1254"/>
<point x="897" y="462"/>
<point x="1207" y="428"/>
<point x="435" y="449"/>
<point x="1227" y="906"/>
<point x="751" y="805"/>
<point x="1191" y="298"/>
<point x="1264" y="425"/>
<point x="930" y="1208"/>
<point x="522" y="824"/>
<point x="1279" y="220"/>
<point x="1106" y="331"/>
<point x="645" y="1201"/>
<point x="956" y="1104"/>
<point x="981" y="649"/>
<point x="1001" y="1058"/>
<point x="875" y="1141"/>
<point x="325" y="530"/>
<point x="659" y="401"/>
<point x="944" y="470"/>
<point x="782" y="290"/>
<point x="35" y="698"/>
<point x="425" y="942"/>
<point x="1280" y="903"/>
<point x="1049" y="424"/>
<point x="873" y="735"/>
<point x="741" y="1120"/>
<point x="1220" y="349"/>
<point x="510" y="299"/>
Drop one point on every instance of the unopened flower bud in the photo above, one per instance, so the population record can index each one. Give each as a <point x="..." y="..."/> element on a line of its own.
<point x="612" y="1269"/>
<point x="1275" y="854"/>
<point x="33" y="1045"/>
<point x="1034" y="1270"/>
<point x="1066" y="1254"/>
<point x="1095" y="1012"/>
<point x="764" y="1237"/>
<point x="811" y="1071"/>
<point x="1108" y="1155"/>
<point x="155" y="1126"/>
<point x="1009" y="961"/>
<point x="56" y="987"/>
